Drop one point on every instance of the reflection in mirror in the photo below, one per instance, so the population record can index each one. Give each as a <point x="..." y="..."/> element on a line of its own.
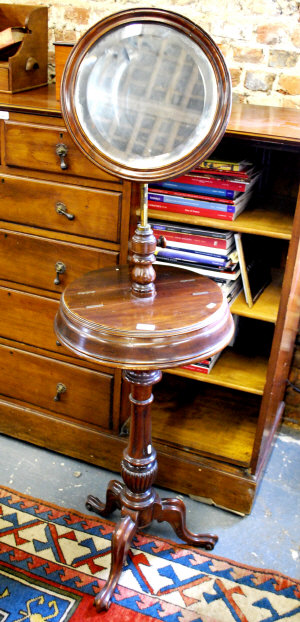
<point x="145" y="95"/>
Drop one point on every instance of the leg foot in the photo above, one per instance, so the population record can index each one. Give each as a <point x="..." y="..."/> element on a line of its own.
<point x="173" y="511"/>
<point x="120" y="545"/>
<point x="93" y="504"/>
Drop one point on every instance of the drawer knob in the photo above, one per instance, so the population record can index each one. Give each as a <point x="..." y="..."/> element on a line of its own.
<point x="60" y="268"/>
<point x="62" y="209"/>
<point x="61" y="151"/>
<point x="60" y="389"/>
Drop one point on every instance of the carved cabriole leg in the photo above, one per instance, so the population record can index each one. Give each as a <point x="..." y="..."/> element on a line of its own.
<point x="113" y="502"/>
<point x="120" y="544"/>
<point x="174" y="512"/>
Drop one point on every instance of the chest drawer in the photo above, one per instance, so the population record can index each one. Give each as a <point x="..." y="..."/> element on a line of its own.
<point x="96" y="213"/>
<point x="37" y="147"/>
<point x="28" y="318"/>
<point x="47" y="264"/>
<point x="33" y="379"/>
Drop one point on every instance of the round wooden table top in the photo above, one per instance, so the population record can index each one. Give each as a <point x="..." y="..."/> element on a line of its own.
<point x="186" y="320"/>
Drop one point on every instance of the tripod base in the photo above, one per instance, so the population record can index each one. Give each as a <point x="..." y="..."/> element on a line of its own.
<point x="137" y="500"/>
<point x="170" y="510"/>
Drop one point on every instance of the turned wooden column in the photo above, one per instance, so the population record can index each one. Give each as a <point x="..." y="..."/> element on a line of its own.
<point x="139" y="464"/>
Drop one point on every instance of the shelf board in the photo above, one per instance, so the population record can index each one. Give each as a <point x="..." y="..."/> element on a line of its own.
<point x="273" y="224"/>
<point x="266" y="306"/>
<point x="205" y="421"/>
<point x="233" y="370"/>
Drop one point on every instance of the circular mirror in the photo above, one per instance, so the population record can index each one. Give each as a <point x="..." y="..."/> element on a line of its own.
<point x="146" y="94"/>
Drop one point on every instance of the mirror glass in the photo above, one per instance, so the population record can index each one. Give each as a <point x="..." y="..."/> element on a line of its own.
<point x="145" y="95"/>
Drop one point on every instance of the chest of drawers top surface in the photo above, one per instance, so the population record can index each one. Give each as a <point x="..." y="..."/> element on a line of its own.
<point x="257" y="122"/>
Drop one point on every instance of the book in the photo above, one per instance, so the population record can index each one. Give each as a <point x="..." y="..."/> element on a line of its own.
<point x="224" y="165"/>
<point x="169" y="239"/>
<point x="216" y="181"/>
<point x="194" y="257"/>
<point x="221" y="238"/>
<point x="203" y="178"/>
<point x="162" y="195"/>
<point x="197" y="211"/>
<point x="204" y="366"/>
<point x="225" y="275"/>
<point x="254" y="268"/>
<point x="11" y="36"/>
<point x="189" y="184"/>
<point x="244" y="175"/>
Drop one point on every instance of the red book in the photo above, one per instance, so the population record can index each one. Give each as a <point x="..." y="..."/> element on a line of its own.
<point x="185" y="238"/>
<point x="202" y="179"/>
<point x="238" y="175"/>
<point x="193" y="211"/>
<point x="197" y="368"/>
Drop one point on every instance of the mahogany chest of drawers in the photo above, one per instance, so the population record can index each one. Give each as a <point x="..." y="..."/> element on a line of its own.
<point x="60" y="216"/>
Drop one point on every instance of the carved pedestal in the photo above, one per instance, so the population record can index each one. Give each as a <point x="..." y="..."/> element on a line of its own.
<point x="138" y="502"/>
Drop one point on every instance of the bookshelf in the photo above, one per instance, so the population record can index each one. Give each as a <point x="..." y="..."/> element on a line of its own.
<point x="227" y="426"/>
<point x="253" y="220"/>
<point x="233" y="370"/>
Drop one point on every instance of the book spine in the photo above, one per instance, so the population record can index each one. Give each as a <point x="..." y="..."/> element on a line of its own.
<point x="191" y="240"/>
<point x="216" y="182"/>
<point x="193" y="211"/>
<point x="222" y="207"/>
<point x="186" y="187"/>
<point x="225" y="236"/>
<point x="163" y="194"/>
<point x="175" y="253"/>
<point x="197" y="368"/>
<point x="187" y="199"/>
<point x="225" y="166"/>
<point x="220" y="275"/>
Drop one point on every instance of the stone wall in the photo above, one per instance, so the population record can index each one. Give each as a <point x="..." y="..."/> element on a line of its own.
<point x="260" y="39"/>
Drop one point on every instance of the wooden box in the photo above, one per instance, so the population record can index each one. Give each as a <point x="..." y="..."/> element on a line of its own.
<point x="27" y="67"/>
<point x="62" y="51"/>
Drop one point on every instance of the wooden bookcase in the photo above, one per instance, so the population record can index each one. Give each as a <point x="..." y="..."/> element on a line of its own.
<point x="213" y="433"/>
<point x="229" y="419"/>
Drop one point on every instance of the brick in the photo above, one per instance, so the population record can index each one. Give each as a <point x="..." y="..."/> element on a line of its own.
<point x="226" y="51"/>
<point x="271" y="34"/>
<point x="77" y="15"/>
<point x="281" y="58"/>
<point x="289" y="85"/>
<point x="235" y="76"/>
<point x="265" y="99"/>
<point x="68" y="36"/>
<point x="259" y="81"/>
<point x="248" y="55"/>
<point x="238" y="98"/>
<point x="295" y="36"/>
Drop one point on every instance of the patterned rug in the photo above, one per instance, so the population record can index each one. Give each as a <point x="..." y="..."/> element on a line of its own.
<point x="53" y="561"/>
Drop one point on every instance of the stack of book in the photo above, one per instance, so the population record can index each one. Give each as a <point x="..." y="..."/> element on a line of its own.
<point x="203" y="367"/>
<point x="210" y="252"/>
<point x="216" y="189"/>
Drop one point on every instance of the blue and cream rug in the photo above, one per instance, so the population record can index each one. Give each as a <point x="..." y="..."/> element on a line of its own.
<point x="53" y="561"/>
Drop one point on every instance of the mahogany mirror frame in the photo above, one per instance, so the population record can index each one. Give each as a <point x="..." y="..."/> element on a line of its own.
<point x="223" y="83"/>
